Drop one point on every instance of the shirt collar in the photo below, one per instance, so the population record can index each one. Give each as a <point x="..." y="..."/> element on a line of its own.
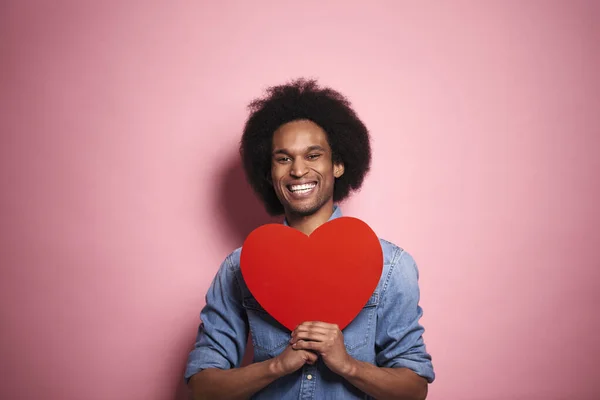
<point x="337" y="212"/>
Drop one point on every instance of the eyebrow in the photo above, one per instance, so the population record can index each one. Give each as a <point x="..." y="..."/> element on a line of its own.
<point x="315" y="147"/>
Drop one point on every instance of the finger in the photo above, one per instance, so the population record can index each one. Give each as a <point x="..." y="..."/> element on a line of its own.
<point x="315" y="328"/>
<point x="308" y="345"/>
<point x="311" y="357"/>
<point x="313" y="336"/>
<point x="319" y="324"/>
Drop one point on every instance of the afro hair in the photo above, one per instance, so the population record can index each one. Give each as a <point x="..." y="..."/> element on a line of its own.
<point x="304" y="99"/>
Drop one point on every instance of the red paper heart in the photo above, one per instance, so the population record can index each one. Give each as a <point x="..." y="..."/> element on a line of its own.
<point x="328" y="276"/>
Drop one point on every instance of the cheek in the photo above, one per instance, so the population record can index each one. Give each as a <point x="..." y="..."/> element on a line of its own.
<point x="273" y="173"/>
<point x="276" y="175"/>
<point x="326" y="170"/>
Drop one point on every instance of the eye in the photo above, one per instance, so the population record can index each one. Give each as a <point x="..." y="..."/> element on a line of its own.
<point x="313" y="156"/>
<point x="282" y="159"/>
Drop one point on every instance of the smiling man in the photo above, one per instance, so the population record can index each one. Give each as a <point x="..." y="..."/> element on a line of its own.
<point x="303" y="174"/>
<point x="304" y="149"/>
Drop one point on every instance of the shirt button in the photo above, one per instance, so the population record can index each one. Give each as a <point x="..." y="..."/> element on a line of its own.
<point x="309" y="377"/>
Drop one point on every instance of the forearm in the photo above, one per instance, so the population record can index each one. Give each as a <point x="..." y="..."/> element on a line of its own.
<point x="386" y="383"/>
<point x="234" y="384"/>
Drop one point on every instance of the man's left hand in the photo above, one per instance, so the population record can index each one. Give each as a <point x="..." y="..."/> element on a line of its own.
<point x="325" y="339"/>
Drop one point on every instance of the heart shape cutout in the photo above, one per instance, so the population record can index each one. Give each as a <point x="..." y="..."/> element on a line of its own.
<point x="328" y="276"/>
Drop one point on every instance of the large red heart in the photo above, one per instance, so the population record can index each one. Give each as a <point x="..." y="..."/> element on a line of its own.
<point x="328" y="276"/>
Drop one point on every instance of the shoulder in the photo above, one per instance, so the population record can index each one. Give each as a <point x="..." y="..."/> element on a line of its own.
<point x="233" y="258"/>
<point x="394" y="254"/>
<point x="230" y="267"/>
<point x="391" y="251"/>
<point x="398" y="265"/>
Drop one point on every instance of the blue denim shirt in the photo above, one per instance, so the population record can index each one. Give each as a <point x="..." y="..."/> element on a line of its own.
<point x="385" y="333"/>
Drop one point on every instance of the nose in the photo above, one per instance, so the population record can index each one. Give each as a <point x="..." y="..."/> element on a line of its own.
<point x="299" y="168"/>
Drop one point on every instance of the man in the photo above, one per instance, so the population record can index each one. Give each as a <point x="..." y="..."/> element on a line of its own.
<point x="304" y="149"/>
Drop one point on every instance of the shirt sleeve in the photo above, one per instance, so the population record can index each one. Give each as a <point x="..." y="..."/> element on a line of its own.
<point x="223" y="331"/>
<point x="399" y="341"/>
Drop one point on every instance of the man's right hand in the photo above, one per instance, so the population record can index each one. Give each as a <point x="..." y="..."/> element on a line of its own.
<point x="243" y="382"/>
<point x="291" y="360"/>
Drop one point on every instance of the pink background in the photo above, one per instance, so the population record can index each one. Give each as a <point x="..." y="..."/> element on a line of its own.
<point x="122" y="192"/>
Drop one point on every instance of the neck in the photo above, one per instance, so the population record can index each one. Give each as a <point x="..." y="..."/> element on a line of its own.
<point x="308" y="223"/>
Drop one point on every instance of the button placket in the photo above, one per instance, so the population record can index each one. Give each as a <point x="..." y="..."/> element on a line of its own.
<point x="308" y="385"/>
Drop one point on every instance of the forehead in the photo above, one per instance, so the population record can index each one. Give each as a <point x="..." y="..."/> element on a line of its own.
<point x="298" y="135"/>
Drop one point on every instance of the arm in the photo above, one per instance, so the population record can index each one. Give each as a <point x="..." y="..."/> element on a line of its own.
<point x="386" y="383"/>
<point x="241" y="383"/>
<point x="213" y="365"/>
<point x="382" y="383"/>
<point x="403" y="365"/>
<point x="237" y="383"/>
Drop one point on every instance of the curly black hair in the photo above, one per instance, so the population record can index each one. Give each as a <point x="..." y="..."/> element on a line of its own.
<point x="304" y="99"/>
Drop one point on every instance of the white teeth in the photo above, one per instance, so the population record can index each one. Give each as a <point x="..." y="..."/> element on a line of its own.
<point x="302" y="188"/>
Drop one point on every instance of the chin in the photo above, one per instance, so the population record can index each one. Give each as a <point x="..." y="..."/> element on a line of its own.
<point x="304" y="210"/>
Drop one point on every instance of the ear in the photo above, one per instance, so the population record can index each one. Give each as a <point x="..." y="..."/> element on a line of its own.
<point x="338" y="170"/>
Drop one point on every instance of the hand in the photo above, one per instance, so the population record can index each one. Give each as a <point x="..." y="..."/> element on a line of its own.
<point x="291" y="360"/>
<point x="325" y="339"/>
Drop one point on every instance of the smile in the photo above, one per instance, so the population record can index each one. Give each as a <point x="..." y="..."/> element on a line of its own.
<point x="303" y="188"/>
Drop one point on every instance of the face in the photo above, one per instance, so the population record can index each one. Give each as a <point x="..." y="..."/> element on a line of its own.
<point x="302" y="170"/>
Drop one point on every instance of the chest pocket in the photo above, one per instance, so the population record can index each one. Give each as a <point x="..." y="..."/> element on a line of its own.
<point x="361" y="331"/>
<point x="269" y="337"/>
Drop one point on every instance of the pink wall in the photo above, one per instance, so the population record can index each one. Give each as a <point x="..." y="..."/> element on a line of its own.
<point x="122" y="193"/>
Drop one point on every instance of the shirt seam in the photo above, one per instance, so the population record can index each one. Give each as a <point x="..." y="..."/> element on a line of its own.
<point x="398" y="252"/>
<point x="234" y="273"/>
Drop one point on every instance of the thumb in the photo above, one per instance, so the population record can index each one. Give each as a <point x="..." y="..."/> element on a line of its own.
<point x="310" y="357"/>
